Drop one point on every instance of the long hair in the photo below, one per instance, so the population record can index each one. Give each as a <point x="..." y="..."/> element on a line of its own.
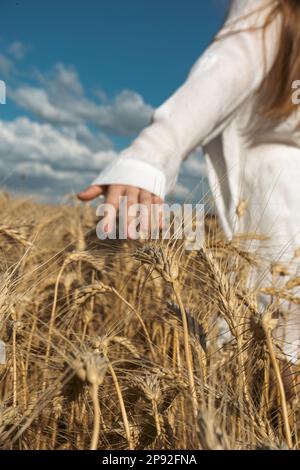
<point x="275" y="94"/>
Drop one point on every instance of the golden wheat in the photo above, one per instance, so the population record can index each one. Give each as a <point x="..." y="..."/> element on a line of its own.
<point x="137" y="345"/>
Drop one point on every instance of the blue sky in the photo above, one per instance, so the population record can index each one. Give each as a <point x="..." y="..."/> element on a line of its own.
<point x="83" y="78"/>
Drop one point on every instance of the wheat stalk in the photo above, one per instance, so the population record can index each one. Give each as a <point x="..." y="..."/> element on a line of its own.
<point x="102" y="354"/>
<point x="168" y="268"/>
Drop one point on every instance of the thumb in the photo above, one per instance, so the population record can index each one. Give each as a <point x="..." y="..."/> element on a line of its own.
<point x="90" y="193"/>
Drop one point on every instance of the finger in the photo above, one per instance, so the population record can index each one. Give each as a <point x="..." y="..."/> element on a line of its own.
<point x="132" y="195"/>
<point x="145" y="199"/>
<point x="159" y="202"/>
<point x="90" y="193"/>
<point x="114" y="192"/>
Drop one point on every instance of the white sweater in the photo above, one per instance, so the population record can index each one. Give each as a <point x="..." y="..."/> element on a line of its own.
<point x="252" y="164"/>
<point x="206" y="110"/>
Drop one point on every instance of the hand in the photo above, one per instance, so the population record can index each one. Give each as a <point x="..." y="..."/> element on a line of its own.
<point x="134" y="196"/>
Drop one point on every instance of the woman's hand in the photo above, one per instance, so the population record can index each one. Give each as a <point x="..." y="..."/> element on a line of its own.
<point x="134" y="195"/>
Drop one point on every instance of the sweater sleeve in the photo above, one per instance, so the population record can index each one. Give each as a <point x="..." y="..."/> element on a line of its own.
<point x="230" y="70"/>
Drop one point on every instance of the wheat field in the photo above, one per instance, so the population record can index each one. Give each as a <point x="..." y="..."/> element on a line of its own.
<point x="135" y="345"/>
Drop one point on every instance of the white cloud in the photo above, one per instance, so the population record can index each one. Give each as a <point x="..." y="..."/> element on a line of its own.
<point x="70" y="143"/>
<point x="6" y="66"/>
<point x="17" y="50"/>
<point x="192" y="184"/>
<point x="60" y="152"/>
<point x="126" y="115"/>
<point x="95" y="141"/>
<point x="37" y="101"/>
<point x="48" y="161"/>
<point x="195" y="165"/>
<point x="59" y="98"/>
<point x="180" y="192"/>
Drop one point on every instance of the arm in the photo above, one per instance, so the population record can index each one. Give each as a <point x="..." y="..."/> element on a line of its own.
<point x="231" y="69"/>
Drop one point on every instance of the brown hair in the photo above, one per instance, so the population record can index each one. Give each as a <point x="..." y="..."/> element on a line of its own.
<point x="275" y="93"/>
<point x="276" y="90"/>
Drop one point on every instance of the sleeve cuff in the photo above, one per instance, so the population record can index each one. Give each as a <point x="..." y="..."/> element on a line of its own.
<point x="133" y="172"/>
